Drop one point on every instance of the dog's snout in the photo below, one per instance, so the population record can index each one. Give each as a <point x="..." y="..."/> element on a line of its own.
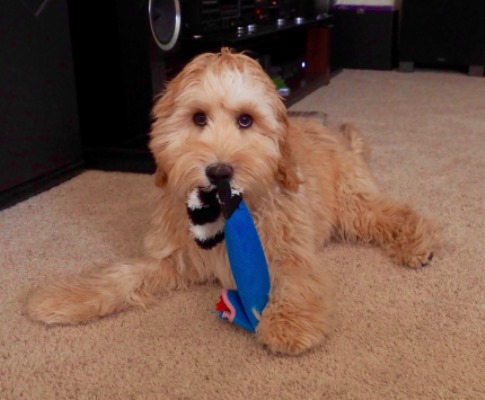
<point x="218" y="173"/>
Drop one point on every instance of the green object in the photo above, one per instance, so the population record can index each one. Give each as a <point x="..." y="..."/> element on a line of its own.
<point x="279" y="82"/>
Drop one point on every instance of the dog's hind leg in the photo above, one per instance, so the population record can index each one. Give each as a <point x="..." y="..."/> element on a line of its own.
<point x="365" y="214"/>
<point x="374" y="218"/>
<point x="102" y="291"/>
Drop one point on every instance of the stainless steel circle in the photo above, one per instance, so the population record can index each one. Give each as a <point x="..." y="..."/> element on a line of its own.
<point x="165" y="35"/>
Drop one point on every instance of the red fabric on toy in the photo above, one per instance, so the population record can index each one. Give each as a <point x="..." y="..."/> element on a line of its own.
<point x="221" y="306"/>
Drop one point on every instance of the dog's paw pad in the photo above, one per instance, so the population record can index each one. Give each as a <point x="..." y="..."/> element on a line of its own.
<point x="421" y="260"/>
<point x="426" y="260"/>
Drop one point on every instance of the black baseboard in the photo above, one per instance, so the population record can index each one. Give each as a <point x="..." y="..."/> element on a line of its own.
<point x="125" y="159"/>
<point x="35" y="186"/>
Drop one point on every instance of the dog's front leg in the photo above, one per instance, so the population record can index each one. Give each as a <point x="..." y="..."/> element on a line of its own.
<point x="297" y="315"/>
<point x="102" y="291"/>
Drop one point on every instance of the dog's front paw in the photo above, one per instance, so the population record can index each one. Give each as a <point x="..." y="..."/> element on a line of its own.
<point x="290" y="332"/>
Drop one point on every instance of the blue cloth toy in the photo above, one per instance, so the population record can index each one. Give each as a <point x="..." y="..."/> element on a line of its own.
<point x="221" y="213"/>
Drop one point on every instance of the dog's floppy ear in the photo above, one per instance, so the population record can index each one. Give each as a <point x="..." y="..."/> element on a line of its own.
<point x="286" y="174"/>
<point x="160" y="177"/>
<point x="157" y="142"/>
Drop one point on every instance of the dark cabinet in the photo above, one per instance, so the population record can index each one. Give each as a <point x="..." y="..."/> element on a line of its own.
<point x="120" y="71"/>
<point x="443" y="32"/>
<point x="39" y="132"/>
<point x="364" y="38"/>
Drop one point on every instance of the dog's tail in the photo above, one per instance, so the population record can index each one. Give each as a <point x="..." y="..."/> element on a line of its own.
<point x="101" y="291"/>
<point x="356" y="141"/>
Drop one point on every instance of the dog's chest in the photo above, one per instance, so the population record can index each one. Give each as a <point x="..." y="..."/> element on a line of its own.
<point x="214" y="263"/>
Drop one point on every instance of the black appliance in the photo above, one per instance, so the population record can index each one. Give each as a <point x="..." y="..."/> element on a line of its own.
<point x="172" y="21"/>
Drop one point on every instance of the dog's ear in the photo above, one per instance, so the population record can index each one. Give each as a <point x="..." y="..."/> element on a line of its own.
<point x="160" y="177"/>
<point x="157" y="142"/>
<point x="286" y="173"/>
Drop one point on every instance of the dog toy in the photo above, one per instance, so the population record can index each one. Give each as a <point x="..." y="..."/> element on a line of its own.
<point x="222" y="214"/>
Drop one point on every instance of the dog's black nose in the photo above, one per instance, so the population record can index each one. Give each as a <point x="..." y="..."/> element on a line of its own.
<point x="218" y="173"/>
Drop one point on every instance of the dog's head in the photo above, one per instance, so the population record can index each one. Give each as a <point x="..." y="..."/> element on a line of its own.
<point x="221" y="118"/>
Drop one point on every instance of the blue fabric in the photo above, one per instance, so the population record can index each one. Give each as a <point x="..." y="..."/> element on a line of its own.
<point x="249" y="268"/>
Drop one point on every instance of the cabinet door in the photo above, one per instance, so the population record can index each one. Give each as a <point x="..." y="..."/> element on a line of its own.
<point x="39" y="130"/>
<point x="443" y="31"/>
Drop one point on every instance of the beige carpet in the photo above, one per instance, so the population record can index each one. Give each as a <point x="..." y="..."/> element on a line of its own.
<point x="400" y="334"/>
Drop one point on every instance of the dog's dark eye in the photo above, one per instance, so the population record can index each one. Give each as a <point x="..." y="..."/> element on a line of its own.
<point x="245" y="121"/>
<point x="200" y="119"/>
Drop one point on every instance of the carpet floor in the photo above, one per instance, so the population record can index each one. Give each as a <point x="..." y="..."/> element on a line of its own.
<point x="399" y="333"/>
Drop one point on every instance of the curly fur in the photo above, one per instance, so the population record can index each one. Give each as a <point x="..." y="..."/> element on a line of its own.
<point x="302" y="183"/>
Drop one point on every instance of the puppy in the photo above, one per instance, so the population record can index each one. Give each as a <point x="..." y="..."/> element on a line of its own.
<point x="221" y="118"/>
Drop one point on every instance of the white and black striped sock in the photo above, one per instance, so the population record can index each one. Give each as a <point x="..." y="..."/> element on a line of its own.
<point x="206" y="217"/>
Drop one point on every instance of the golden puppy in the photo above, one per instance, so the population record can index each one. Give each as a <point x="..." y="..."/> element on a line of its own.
<point x="302" y="183"/>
